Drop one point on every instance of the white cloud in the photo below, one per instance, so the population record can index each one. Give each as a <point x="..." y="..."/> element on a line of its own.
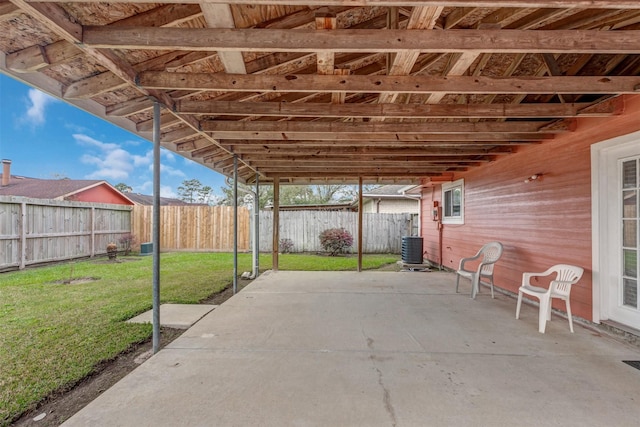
<point x="165" y="190"/>
<point x="169" y="171"/>
<point x="168" y="155"/>
<point x="36" y="106"/>
<point x="111" y="161"/>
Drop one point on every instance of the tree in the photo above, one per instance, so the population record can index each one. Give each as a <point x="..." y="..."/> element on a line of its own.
<point x="245" y="193"/>
<point x="291" y="194"/>
<point x="123" y="188"/>
<point x="192" y="191"/>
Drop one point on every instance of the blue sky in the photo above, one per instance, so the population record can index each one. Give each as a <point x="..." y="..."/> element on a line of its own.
<point x="47" y="138"/>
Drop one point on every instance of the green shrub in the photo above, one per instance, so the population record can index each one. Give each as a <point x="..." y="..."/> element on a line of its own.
<point x="336" y="240"/>
<point x="286" y="246"/>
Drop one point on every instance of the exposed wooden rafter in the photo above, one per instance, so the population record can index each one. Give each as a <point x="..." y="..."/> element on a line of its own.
<point x="389" y="84"/>
<point x="348" y="40"/>
<point x="333" y="90"/>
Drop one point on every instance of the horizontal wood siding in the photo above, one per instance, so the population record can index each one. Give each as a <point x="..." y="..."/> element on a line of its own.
<point x="193" y="228"/>
<point x="36" y="231"/>
<point x="382" y="233"/>
<point x="540" y="223"/>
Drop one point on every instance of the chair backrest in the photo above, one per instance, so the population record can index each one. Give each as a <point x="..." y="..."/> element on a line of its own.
<point x="566" y="275"/>
<point x="491" y="253"/>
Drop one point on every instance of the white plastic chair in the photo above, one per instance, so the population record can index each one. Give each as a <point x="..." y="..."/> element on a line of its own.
<point x="490" y="254"/>
<point x="566" y="276"/>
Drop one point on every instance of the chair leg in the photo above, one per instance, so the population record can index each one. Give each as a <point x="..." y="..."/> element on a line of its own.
<point x="475" y="285"/>
<point x="569" y="315"/>
<point x="491" y="282"/>
<point x="519" y="305"/>
<point x="457" y="282"/>
<point x="543" y="315"/>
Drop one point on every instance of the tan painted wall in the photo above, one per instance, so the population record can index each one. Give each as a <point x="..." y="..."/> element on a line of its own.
<point x="540" y="223"/>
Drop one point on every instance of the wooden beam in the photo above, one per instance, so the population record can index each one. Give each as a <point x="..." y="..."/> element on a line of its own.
<point x="368" y="128"/>
<point x="359" y="154"/>
<point x="457" y="15"/>
<point x="129" y="107"/>
<point x="57" y="19"/>
<point x="422" y="17"/>
<point x="362" y="40"/>
<point x="427" y="148"/>
<point x="325" y="59"/>
<point x="94" y="86"/>
<point x="347" y="172"/>
<point x="362" y="169"/>
<point x="35" y="58"/>
<point x="382" y="138"/>
<point x="8" y="10"/>
<point x="496" y="138"/>
<point x="290" y="162"/>
<point x="178" y="134"/>
<point x="570" y="4"/>
<point x="161" y="16"/>
<point x="415" y="111"/>
<point x="340" y="97"/>
<point x="219" y="16"/>
<point x="380" y="84"/>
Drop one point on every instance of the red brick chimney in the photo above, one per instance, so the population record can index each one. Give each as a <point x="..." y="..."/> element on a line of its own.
<point x="6" y="172"/>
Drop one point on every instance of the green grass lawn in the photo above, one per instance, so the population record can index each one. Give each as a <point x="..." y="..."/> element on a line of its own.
<point x="52" y="334"/>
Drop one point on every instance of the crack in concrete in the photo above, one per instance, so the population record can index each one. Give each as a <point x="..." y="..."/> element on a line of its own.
<point x="386" y="399"/>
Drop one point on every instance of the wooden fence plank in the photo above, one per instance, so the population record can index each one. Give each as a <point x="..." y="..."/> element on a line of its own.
<point x="193" y="228"/>
<point x="382" y="233"/>
<point x="34" y="231"/>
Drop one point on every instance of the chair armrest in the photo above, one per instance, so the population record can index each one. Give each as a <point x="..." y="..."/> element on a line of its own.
<point x="526" y="277"/>
<point x="464" y="260"/>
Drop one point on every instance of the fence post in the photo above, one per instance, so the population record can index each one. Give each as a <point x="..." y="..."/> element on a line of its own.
<point x="92" y="239"/>
<point x="23" y="235"/>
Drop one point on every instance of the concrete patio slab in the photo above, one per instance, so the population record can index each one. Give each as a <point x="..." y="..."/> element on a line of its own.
<point x="178" y="316"/>
<point x="375" y="349"/>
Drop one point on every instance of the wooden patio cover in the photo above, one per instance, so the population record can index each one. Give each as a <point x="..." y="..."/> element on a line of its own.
<point x="330" y="91"/>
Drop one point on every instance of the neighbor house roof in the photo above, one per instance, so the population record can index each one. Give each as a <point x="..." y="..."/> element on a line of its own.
<point x="332" y="91"/>
<point x="147" y="200"/>
<point x="392" y="191"/>
<point x="56" y="189"/>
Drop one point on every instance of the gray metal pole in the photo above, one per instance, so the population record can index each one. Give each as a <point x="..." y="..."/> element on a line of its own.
<point x="235" y="224"/>
<point x="256" y="228"/>
<point x="156" y="227"/>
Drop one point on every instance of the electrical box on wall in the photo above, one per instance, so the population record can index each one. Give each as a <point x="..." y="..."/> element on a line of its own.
<point x="436" y="211"/>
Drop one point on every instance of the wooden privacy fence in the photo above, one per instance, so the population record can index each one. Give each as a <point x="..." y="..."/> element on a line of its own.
<point x="381" y="233"/>
<point x="193" y="228"/>
<point x="34" y="231"/>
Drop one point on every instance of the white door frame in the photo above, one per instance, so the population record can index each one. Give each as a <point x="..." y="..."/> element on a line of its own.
<point x="603" y="182"/>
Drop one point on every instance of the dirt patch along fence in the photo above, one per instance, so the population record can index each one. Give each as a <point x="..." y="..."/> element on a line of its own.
<point x="193" y="228"/>
<point x="34" y="231"/>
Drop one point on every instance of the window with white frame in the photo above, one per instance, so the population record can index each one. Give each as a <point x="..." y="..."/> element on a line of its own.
<point x="453" y="202"/>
